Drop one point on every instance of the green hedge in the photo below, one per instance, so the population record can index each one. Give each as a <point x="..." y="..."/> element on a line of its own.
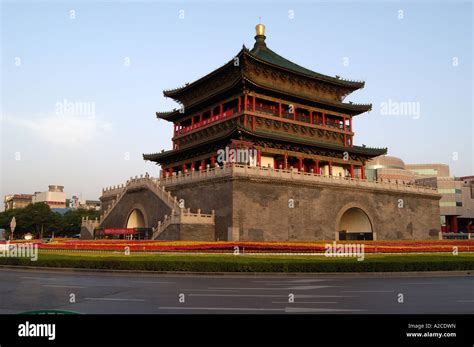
<point x="228" y="263"/>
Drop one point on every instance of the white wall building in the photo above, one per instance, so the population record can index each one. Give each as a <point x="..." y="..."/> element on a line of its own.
<point x="54" y="197"/>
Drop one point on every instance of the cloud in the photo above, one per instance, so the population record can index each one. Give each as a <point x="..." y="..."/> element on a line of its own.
<point x="65" y="130"/>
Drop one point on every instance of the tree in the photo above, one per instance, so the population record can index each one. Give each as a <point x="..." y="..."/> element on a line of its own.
<point x="73" y="218"/>
<point x="39" y="220"/>
<point x="5" y="219"/>
<point x="34" y="218"/>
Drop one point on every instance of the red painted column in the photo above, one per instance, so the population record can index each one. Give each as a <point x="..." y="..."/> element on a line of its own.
<point x="300" y="164"/>
<point x="179" y="128"/>
<point x="253" y="103"/>
<point x="351" y="170"/>
<point x="311" y="117"/>
<point x="171" y="171"/>
<point x="202" y="165"/>
<point x="362" y="172"/>
<point x="279" y="109"/>
<point x="324" y="119"/>
<point x="254" y="122"/>
<point x="239" y="104"/>
<point x="184" y="168"/>
<point x="259" y="157"/>
<point x="192" y="122"/>
<point x="245" y="109"/>
<point x="330" y="169"/>
<point x="318" y="170"/>
<point x="345" y="140"/>
<point x="213" y="161"/>
<point x="344" y="123"/>
<point x="275" y="163"/>
<point x="285" y="159"/>
<point x="350" y="129"/>
<point x="454" y="224"/>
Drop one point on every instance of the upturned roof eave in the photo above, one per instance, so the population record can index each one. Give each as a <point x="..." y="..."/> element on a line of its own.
<point x="369" y="151"/>
<point x="357" y="108"/>
<point x="353" y="85"/>
<point x="173" y="93"/>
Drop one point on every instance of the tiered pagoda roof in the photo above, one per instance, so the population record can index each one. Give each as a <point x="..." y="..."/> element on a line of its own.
<point x="263" y="71"/>
<point x="258" y="59"/>
<point x="268" y="138"/>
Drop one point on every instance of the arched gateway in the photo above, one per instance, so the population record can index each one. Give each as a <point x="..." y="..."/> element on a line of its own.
<point x="355" y="224"/>
<point x="136" y="219"/>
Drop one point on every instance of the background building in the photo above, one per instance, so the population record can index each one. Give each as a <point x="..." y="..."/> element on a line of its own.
<point x="54" y="197"/>
<point x="457" y="193"/>
<point x="17" y="201"/>
<point x="76" y="203"/>
<point x="385" y="167"/>
<point x="466" y="219"/>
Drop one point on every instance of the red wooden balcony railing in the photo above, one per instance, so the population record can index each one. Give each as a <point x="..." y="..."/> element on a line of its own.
<point x="271" y="111"/>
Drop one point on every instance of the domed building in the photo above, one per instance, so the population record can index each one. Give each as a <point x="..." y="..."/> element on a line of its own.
<point x="389" y="168"/>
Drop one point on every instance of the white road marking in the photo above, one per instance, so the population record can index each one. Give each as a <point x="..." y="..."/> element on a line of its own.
<point x="291" y="281"/>
<point x="299" y="296"/>
<point x="60" y="286"/>
<point x="113" y="299"/>
<point x="307" y="309"/>
<point x="39" y="278"/>
<point x="286" y="288"/>
<point x="219" y="308"/>
<point x="209" y="290"/>
<point x="305" y="302"/>
<point x="274" y="296"/>
<point x="367" y="291"/>
<point x="154" y="282"/>
<point x="427" y="283"/>
<point x="242" y="295"/>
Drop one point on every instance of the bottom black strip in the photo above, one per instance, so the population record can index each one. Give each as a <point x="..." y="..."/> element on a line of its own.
<point x="382" y="330"/>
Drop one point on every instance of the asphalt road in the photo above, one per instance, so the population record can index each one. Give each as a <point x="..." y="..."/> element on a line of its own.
<point x="98" y="292"/>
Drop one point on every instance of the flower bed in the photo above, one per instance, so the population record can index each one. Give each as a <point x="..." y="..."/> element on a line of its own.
<point x="256" y="247"/>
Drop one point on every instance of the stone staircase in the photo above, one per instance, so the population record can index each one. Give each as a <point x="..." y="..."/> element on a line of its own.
<point x="88" y="226"/>
<point x="136" y="182"/>
<point x="185" y="216"/>
<point x="179" y="213"/>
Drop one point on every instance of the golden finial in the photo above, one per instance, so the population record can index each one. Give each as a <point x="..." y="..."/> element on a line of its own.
<point x="260" y="29"/>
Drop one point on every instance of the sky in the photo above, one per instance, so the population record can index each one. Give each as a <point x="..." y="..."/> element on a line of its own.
<point x="109" y="62"/>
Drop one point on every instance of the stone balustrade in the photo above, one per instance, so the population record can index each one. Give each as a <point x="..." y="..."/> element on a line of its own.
<point x="184" y="217"/>
<point x="90" y="224"/>
<point x="134" y="182"/>
<point x="294" y="175"/>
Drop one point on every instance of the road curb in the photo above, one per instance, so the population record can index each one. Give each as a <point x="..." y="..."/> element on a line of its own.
<point x="248" y="274"/>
